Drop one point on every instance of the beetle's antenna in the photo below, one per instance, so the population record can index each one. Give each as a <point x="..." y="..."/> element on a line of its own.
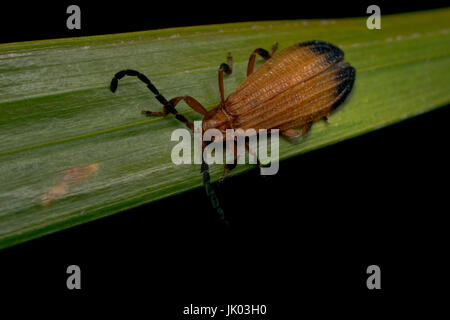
<point x="210" y="191"/>
<point x="119" y="75"/>
<point x="169" y="106"/>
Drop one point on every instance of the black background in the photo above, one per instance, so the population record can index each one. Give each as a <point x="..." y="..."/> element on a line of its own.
<point x="22" y="21"/>
<point x="299" y="240"/>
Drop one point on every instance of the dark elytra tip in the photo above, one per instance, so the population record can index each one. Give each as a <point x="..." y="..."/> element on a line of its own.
<point x="346" y="77"/>
<point x="347" y="72"/>
<point x="319" y="47"/>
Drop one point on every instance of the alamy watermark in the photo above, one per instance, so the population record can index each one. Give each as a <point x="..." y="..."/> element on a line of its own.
<point x="74" y="20"/>
<point x="213" y="153"/>
<point x="74" y="280"/>
<point x="374" y="280"/>
<point x="374" y="20"/>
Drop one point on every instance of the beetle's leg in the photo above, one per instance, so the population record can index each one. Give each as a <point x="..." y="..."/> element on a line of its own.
<point x="250" y="152"/>
<point x="263" y="53"/>
<point x="191" y="102"/>
<point x="229" y="166"/>
<point x="306" y="128"/>
<point x="170" y="108"/>
<point x="226" y="168"/>
<point x="291" y="133"/>
<point x="274" y="48"/>
<point x="228" y="69"/>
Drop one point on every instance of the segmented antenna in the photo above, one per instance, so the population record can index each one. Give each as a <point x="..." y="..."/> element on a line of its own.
<point x="133" y="73"/>
<point x="210" y="192"/>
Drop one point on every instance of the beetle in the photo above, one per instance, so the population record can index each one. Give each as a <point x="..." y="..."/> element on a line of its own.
<point x="294" y="88"/>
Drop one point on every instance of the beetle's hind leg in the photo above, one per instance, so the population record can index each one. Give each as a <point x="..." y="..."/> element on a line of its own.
<point x="263" y="53"/>
<point x="293" y="133"/>
<point x="306" y="128"/>
<point x="251" y="153"/>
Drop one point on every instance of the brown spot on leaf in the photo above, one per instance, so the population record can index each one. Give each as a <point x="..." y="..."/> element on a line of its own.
<point x="54" y="193"/>
<point x="72" y="176"/>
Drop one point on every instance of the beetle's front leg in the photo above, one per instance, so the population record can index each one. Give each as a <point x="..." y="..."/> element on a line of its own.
<point x="228" y="69"/>
<point x="170" y="108"/>
<point x="263" y="53"/>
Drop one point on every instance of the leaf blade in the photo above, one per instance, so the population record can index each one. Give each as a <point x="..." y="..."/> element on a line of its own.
<point x="57" y="113"/>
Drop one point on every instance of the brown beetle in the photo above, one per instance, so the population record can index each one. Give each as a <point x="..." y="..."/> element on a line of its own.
<point x="292" y="89"/>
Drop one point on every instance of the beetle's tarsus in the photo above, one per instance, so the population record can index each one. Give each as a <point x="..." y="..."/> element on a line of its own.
<point x="306" y="129"/>
<point x="230" y="63"/>
<point x="291" y="133"/>
<point x="228" y="69"/>
<point x="149" y="113"/>
<point x="263" y="53"/>
<point x="224" y="175"/>
<point x="274" y="48"/>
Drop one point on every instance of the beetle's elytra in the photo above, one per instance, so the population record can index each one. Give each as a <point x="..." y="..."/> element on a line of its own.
<point x="292" y="89"/>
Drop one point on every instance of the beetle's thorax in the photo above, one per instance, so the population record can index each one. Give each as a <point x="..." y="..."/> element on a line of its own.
<point x="217" y="118"/>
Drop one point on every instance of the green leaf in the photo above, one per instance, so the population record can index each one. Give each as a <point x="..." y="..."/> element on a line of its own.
<point x="71" y="151"/>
